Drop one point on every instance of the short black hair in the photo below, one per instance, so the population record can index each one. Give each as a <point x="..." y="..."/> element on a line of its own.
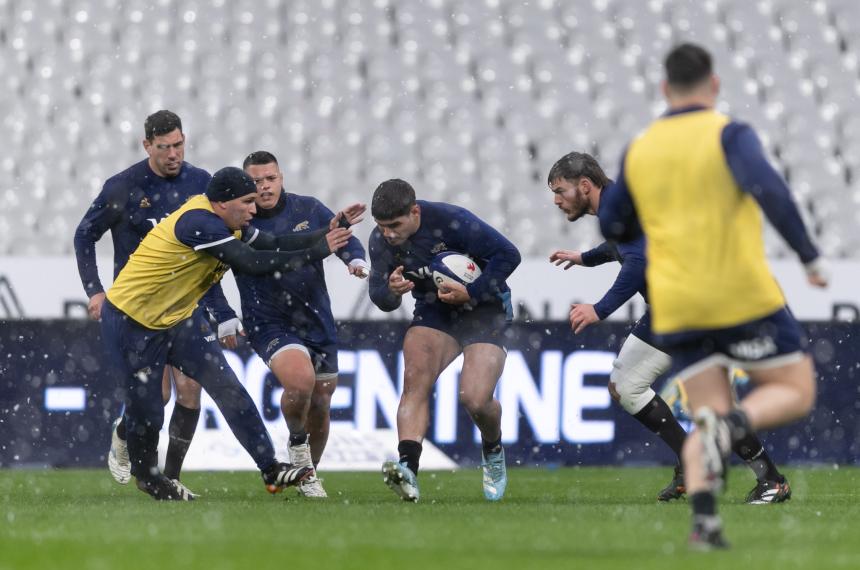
<point x="161" y="123"/>
<point x="259" y="157"/>
<point x="392" y="199"/>
<point x="687" y="65"/>
<point x="575" y="165"/>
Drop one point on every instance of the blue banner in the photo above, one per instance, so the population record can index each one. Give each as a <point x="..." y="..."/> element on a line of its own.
<point x="58" y="396"/>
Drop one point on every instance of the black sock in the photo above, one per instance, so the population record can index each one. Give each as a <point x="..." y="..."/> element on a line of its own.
<point x="657" y="417"/>
<point x="120" y="428"/>
<point x="491" y="446"/>
<point x="298" y="438"/>
<point x="704" y="503"/>
<point x="751" y="450"/>
<point x="410" y="453"/>
<point x="183" y="424"/>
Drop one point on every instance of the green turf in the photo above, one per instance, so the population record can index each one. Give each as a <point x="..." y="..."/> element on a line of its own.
<point x="564" y="518"/>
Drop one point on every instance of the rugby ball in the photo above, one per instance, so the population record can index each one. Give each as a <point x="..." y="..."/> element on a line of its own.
<point x="450" y="266"/>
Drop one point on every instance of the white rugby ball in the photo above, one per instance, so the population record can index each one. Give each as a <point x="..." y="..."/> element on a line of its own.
<point x="450" y="266"/>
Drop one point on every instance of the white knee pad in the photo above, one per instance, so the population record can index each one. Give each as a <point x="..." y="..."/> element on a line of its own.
<point x="637" y="366"/>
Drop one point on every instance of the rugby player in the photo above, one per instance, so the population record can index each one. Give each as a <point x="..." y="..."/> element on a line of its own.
<point x="694" y="183"/>
<point x="289" y="320"/>
<point x="468" y="319"/>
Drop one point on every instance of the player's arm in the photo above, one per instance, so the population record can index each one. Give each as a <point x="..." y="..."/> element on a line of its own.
<point x="603" y="253"/>
<point x="755" y="175"/>
<point x="629" y="281"/>
<point x="229" y="324"/>
<point x="485" y="242"/>
<point x="384" y="277"/>
<point x="204" y="231"/>
<point x="103" y="214"/>
<point x="619" y="221"/>
<point x="353" y="255"/>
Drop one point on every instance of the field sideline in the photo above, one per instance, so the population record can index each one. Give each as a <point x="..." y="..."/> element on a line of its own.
<point x="563" y="518"/>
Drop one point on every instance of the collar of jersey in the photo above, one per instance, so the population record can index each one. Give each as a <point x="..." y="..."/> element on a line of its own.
<point x="274" y="210"/>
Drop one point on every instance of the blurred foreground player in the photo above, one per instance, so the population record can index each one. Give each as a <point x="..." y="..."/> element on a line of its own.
<point x="289" y="320"/>
<point x="577" y="181"/>
<point x="468" y="319"/>
<point x="149" y="318"/>
<point x="693" y="182"/>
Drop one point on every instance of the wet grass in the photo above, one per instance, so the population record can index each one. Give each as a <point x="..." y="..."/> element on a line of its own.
<point x="563" y="518"/>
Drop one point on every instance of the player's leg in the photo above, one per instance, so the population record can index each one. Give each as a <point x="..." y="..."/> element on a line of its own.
<point x="292" y="366"/>
<point x="707" y="449"/>
<point x="183" y="421"/>
<point x="483" y="364"/>
<point x="426" y="353"/>
<point x="638" y="365"/>
<point x="319" y="414"/>
<point x="139" y="354"/>
<point x="204" y="361"/>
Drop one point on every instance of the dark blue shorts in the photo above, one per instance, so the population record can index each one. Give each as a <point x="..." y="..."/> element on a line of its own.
<point x="642" y="328"/>
<point x="487" y="322"/>
<point x="269" y="338"/>
<point x="774" y="340"/>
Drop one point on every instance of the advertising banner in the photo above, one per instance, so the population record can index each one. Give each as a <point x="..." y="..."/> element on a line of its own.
<point x="58" y="398"/>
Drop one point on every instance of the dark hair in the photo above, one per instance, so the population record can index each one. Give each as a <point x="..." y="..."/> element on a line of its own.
<point x="575" y="165"/>
<point x="259" y="157"/>
<point x="687" y="65"/>
<point x="161" y="123"/>
<point x="392" y="199"/>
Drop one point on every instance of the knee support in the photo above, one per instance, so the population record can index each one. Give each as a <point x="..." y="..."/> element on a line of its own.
<point x="637" y="366"/>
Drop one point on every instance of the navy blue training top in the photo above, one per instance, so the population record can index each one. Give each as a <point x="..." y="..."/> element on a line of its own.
<point x="631" y="278"/>
<point x="297" y="299"/>
<point x="443" y="227"/>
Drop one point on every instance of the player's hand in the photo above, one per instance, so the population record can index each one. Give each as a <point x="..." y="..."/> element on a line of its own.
<point x="562" y="256"/>
<point x="94" y="307"/>
<point x="453" y="293"/>
<point x="352" y="214"/>
<point x="228" y="331"/>
<point x="817" y="273"/>
<point x="359" y="267"/>
<point x="581" y="316"/>
<point x="337" y="238"/>
<point x="398" y="284"/>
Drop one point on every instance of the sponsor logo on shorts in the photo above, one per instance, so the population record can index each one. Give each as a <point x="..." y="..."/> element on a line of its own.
<point x="273" y="344"/>
<point x="301" y="226"/>
<point x="209" y="338"/>
<point x="754" y="349"/>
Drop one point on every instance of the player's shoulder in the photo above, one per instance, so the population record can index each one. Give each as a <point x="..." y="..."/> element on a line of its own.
<point x="128" y="178"/>
<point x="194" y="177"/>
<point x="443" y="212"/>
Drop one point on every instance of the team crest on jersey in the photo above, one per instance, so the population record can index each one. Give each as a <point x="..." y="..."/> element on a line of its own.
<point x="301" y="226"/>
<point x="145" y="203"/>
<point x="438" y="248"/>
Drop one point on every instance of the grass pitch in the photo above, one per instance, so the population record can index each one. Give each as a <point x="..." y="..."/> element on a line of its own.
<point x="563" y="518"/>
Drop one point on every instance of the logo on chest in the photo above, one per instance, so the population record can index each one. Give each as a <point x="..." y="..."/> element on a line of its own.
<point x="145" y="203"/>
<point x="302" y="226"/>
<point x="438" y="248"/>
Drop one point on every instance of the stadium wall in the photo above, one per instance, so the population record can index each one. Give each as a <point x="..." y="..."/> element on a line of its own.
<point x="58" y="396"/>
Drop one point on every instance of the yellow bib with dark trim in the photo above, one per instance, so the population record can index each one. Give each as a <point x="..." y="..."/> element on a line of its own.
<point x="705" y="250"/>
<point x="164" y="279"/>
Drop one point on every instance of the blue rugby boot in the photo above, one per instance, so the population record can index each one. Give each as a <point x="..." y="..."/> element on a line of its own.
<point x="401" y="480"/>
<point x="495" y="475"/>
